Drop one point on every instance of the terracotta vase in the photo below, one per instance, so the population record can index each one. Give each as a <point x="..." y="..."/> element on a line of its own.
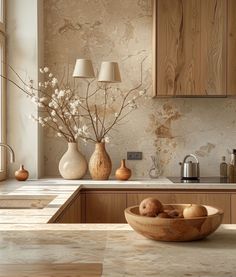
<point x="73" y="165"/>
<point x="21" y="174"/>
<point x="123" y="173"/>
<point x="100" y="163"/>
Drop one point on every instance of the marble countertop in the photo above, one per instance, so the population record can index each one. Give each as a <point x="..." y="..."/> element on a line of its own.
<point x="32" y="245"/>
<point x="117" y="249"/>
<point x="160" y="183"/>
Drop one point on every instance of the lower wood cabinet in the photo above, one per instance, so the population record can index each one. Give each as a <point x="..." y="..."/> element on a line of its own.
<point x="233" y="208"/>
<point x="108" y="206"/>
<point x="103" y="207"/>
<point x="73" y="212"/>
<point x="219" y="200"/>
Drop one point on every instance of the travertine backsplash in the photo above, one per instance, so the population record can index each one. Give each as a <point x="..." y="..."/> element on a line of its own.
<point x="122" y="31"/>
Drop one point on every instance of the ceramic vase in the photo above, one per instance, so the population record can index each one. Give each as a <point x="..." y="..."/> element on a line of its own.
<point x="21" y="174"/>
<point x="73" y="164"/>
<point x="100" y="163"/>
<point x="123" y="173"/>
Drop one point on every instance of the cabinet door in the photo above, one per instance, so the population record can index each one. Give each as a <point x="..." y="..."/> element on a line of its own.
<point x="73" y="213"/>
<point x="213" y="47"/>
<point x="233" y="208"/>
<point x="191" y="48"/>
<point x="105" y="207"/>
<point x="231" y="76"/>
<point x="178" y="47"/>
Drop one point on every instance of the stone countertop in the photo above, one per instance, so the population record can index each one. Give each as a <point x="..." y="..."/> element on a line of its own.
<point x="117" y="248"/>
<point x="64" y="190"/>
<point x="160" y="183"/>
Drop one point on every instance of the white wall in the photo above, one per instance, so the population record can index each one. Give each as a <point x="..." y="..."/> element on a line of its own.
<point x="23" y="53"/>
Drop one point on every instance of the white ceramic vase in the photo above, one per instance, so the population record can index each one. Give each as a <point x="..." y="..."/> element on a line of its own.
<point x="73" y="164"/>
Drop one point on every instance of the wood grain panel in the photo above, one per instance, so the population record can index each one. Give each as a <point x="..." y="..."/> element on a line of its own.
<point x="233" y="208"/>
<point x="188" y="71"/>
<point x="136" y="198"/>
<point x="179" y="47"/>
<point x="169" y="31"/>
<point x="191" y="47"/>
<point x="52" y="270"/>
<point x="231" y="76"/>
<point x="213" y="47"/>
<point x="105" y="208"/>
<point x="73" y="213"/>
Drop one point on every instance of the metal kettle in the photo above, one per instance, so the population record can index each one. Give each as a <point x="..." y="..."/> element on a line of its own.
<point x="190" y="170"/>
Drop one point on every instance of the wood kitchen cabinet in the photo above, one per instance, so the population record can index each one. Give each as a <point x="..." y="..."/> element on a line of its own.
<point x="190" y="47"/>
<point x="107" y="206"/>
<point x="73" y="212"/>
<point x="219" y="200"/>
<point x="103" y="207"/>
<point x="233" y="208"/>
<point x="231" y="72"/>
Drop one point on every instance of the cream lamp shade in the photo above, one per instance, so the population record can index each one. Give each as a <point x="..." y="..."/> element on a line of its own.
<point x="109" y="72"/>
<point x="83" y="69"/>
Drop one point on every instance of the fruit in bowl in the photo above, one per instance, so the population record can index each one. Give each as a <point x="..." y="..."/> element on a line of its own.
<point x="194" y="210"/>
<point x="174" y="222"/>
<point x="150" y="207"/>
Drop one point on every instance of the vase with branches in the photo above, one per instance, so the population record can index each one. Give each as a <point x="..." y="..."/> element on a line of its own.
<point x="89" y="112"/>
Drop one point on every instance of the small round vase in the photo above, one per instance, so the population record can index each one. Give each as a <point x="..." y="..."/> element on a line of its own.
<point x="21" y="174"/>
<point x="123" y="173"/>
<point x="100" y="163"/>
<point x="73" y="164"/>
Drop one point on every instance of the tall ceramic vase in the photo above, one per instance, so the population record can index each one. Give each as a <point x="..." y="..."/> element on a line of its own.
<point x="100" y="163"/>
<point x="73" y="164"/>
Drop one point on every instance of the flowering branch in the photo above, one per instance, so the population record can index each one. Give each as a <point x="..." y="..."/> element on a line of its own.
<point x="74" y="116"/>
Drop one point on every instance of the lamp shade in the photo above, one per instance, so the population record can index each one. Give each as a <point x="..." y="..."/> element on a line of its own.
<point x="109" y="72"/>
<point x="83" y="69"/>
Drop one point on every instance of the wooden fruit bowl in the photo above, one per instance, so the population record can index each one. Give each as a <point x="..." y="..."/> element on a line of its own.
<point x="174" y="229"/>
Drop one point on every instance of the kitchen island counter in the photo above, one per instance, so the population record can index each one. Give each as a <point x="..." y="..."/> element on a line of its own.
<point x="113" y="249"/>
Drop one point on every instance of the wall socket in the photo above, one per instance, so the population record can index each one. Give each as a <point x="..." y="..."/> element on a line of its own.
<point x="134" y="155"/>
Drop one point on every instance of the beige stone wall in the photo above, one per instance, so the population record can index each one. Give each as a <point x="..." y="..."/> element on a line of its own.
<point x="122" y="31"/>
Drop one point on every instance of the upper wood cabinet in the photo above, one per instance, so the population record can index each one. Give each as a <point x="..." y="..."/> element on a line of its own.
<point x="231" y="76"/>
<point x="190" y="47"/>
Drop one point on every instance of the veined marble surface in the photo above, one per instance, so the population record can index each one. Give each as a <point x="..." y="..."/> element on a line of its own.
<point x="120" y="250"/>
<point x="64" y="190"/>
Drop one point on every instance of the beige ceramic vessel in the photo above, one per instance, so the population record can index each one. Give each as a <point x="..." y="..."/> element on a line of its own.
<point x="123" y="173"/>
<point x="100" y="163"/>
<point x="174" y="229"/>
<point x="73" y="165"/>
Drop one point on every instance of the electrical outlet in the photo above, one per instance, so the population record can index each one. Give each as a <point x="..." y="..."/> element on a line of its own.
<point x="134" y="155"/>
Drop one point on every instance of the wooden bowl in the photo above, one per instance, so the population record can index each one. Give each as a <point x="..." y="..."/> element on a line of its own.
<point x="174" y="229"/>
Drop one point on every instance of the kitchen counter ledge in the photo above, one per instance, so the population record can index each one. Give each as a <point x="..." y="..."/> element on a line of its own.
<point x="116" y="248"/>
<point x="65" y="190"/>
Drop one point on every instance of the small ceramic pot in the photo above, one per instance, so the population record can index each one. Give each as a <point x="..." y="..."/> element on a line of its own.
<point x="123" y="173"/>
<point x="21" y="174"/>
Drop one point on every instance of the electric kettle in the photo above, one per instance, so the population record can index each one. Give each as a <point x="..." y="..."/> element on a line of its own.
<point x="190" y="170"/>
